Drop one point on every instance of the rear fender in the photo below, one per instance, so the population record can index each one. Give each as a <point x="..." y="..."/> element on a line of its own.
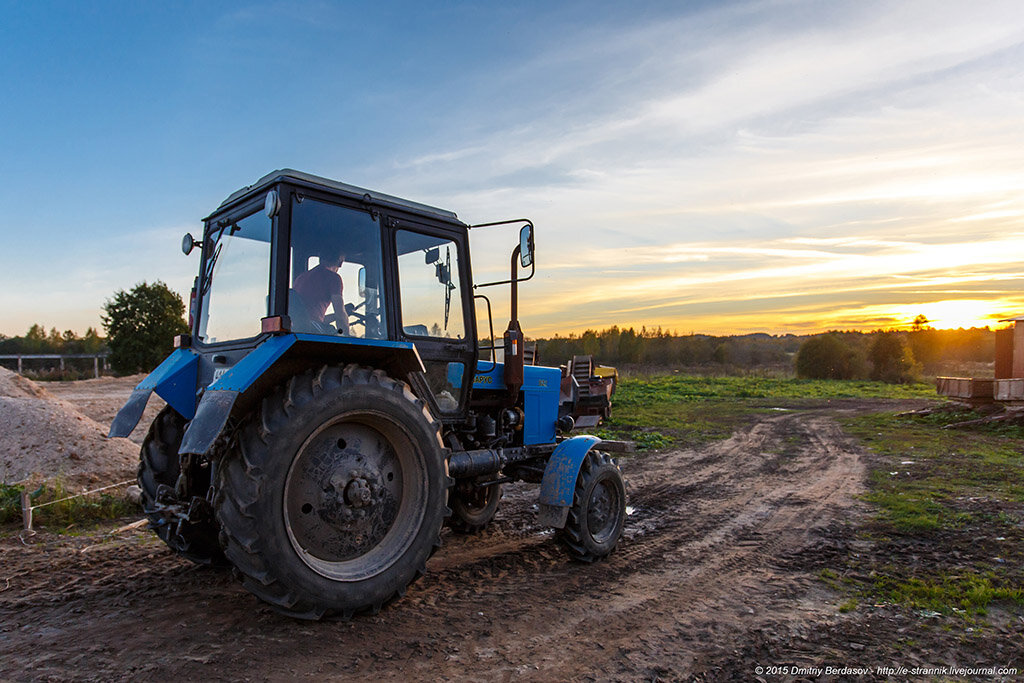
<point x="273" y="362"/>
<point x="174" y="380"/>
<point x="559" y="482"/>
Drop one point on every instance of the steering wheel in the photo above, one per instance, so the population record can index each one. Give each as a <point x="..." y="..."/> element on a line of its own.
<point x="356" y="318"/>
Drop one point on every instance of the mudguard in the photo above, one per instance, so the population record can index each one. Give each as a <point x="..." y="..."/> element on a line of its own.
<point x="174" y="380"/>
<point x="559" y="482"/>
<point x="218" y="400"/>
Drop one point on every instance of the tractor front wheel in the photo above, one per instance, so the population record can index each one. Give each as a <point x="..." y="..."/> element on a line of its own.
<point x="598" y="512"/>
<point x="159" y="466"/>
<point x="336" y="495"/>
<point x="473" y="506"/>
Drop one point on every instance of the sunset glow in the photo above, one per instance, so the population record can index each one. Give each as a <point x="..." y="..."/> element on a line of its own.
<point x="721" y="168"/>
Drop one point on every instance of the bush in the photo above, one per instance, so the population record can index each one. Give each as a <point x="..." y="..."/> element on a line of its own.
<point x="891" y="359"/>
<point x="141" y="325"/>
<point x="828" y="357"/>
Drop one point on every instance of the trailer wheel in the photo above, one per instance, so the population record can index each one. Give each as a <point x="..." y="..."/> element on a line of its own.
<point x="336" y="495"/>
<point x="159" y="466"/>
<point x="598" y="511"/>
<point x="473" y="507"/>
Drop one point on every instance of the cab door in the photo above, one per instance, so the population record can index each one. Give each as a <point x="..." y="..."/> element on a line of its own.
<point x="433" y="285"/>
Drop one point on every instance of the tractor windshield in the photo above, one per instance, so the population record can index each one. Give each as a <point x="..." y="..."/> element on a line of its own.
<point x="235" y="280"/>
<point x="331" y="245"/>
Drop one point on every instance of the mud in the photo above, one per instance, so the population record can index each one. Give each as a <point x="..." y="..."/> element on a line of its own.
<point x="717" y="574"/>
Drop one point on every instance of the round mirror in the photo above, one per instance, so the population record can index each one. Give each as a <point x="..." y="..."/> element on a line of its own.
<point x="187" y="242"/>
<point x="273" y="203"/>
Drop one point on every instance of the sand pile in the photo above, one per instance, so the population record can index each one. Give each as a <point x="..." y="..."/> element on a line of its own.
<point x="45" y="439"/>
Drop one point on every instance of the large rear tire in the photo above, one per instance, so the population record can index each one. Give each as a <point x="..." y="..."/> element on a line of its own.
<point x="335" y="496"/>
<point x="159" y="465"/>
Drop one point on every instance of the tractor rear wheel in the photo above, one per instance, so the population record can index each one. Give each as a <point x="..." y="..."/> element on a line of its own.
<point x="335" y="496"/>
<point x="473" y="506"/>
<point x="598" y="512"/>
<point x="159" y="465"/>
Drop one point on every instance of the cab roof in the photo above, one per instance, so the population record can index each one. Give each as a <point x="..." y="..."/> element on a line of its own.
<point x="351" y="191"/>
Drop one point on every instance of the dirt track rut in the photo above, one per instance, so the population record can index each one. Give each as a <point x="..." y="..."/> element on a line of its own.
<point x="723" y="546"/>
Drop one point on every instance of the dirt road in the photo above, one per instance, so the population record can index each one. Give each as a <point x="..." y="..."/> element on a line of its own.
<point x="716" y="574"/>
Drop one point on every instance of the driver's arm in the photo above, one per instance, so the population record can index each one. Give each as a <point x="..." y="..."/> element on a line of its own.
<point x="340" y="315"/>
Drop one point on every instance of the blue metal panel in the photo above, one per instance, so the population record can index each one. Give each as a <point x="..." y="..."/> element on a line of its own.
<point x="493" y="378"/>
<point x="248" y="370"/>
<point x="540" y="404"/>
<point x="174" y="380"/>
<point x="559" y="480"/>
<point x="455" y="373"/>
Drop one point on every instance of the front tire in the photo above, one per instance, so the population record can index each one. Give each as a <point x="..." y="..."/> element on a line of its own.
<point x="473" y="507"/>
<point x="159" y="465"/>
<point x="598" y="512"/>
<point x="335" y="497"/>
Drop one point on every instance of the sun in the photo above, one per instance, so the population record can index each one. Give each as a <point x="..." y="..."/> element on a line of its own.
<point x="955" y="313"/>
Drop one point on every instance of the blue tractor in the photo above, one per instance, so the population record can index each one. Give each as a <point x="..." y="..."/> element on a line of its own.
<point x="335" y="404"/>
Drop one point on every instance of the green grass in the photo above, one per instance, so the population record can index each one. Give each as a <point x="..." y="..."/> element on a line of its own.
<point x="678" y="411"/>
<point x="76" y="511"/>
<point x="971" y="594"/>
<point x="948" y="504"/>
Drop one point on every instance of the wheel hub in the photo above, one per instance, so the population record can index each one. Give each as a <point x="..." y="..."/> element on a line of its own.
<point x="343" y="493"/>
<point x="600" y="511"/>
<point x="358" y="492"/>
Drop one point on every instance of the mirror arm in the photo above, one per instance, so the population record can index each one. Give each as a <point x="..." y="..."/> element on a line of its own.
<point x="533" y="269"/>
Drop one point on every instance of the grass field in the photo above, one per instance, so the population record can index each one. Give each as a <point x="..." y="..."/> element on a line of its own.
<point x="948" y="504"/>
<point x="678" y="411"/>
<point x="949" y="520"/>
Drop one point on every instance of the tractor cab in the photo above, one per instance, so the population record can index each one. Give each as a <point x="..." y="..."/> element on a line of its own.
<point x="334" y="263"/>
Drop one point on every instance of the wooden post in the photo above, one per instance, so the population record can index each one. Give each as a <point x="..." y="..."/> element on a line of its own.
<point x="62" y="365"/>
<point x="19" y="364"/>
<point x="96" y="366"/>
<point x="1018" y="349"/>
<point x="26" y="510"/>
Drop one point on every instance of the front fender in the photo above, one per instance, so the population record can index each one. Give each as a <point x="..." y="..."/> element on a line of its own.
<point x="559" y="482"/>
<point x="174" y="380"/>
<point x="260" y="370"/>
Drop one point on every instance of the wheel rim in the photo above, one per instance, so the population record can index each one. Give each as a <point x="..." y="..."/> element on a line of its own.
<point x="355" y="496"/>
<point x="603" y="510"/>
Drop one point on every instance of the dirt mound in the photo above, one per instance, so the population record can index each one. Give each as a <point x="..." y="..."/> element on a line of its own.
<point x="14" y="385"/>
<point x="45" y="439"/>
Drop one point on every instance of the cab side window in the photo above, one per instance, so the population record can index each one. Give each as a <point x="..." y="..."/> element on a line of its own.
<point x="429" y="287"/>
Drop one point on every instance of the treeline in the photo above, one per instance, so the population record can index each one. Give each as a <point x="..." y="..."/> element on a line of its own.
<point x="37" y="340"/>
<point x="663" y="348"/>
<point x="924" y="351"/>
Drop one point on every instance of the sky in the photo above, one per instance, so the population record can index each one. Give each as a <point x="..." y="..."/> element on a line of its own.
<point x="710" y="167"/>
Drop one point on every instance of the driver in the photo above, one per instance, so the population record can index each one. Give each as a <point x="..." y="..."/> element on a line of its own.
<point x="321" y="287"/>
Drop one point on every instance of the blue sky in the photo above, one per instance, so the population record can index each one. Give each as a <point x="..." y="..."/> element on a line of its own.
<point x="711" y="167"/>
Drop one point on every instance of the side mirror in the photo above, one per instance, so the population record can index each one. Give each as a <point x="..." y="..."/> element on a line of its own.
<point x="432" y="256"/>
<point x="526" y="246"/>
<point x="188" y="243"/>
<point x="362" y="283"/>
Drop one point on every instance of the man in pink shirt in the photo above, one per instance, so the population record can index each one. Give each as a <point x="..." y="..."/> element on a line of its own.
<point x="321" y="287"/>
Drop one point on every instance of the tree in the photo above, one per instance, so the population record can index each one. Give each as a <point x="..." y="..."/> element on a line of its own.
<point x="891" y="359"/>
<point x="141" y="325"/>
<point x="827" y="357"/>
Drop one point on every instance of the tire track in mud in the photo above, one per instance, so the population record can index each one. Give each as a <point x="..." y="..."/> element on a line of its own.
<point x="713" y="549"/>
<point x="697" y="551"/>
